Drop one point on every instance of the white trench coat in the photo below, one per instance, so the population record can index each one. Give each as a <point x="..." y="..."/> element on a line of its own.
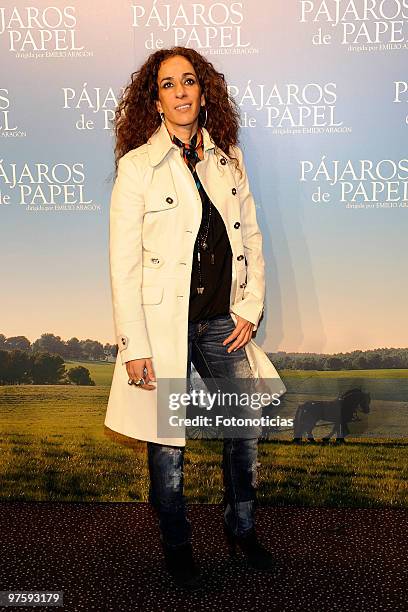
<point x="155" y="215"/>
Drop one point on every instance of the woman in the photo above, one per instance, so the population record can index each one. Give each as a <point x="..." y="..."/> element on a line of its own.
<point x="188" y="287"/>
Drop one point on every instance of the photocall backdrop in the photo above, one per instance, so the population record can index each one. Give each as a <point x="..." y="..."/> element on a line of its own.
<point x="322" y="88"/>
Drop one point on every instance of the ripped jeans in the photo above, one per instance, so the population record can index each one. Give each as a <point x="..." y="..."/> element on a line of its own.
<point x="210" y="358"/>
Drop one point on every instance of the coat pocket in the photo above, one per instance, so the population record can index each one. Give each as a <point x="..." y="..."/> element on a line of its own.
<point x="152" y="259"/>
<point x="156" y="201"/>
<point x="152" y="294"/>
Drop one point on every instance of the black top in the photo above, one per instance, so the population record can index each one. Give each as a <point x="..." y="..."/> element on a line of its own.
<point x="216" y="260"/>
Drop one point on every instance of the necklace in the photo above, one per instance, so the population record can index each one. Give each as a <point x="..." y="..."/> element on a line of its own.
<point x="204" y="246"/>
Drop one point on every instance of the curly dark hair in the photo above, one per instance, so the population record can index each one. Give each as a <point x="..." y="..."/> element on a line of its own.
<point x="136" y="116"/>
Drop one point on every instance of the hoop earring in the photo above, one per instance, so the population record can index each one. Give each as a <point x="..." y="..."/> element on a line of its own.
<point x="205" y="108"/>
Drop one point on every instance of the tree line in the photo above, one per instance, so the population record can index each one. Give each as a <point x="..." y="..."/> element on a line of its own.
<point x="77" y="350"/>
<point x="73" y="348"/>
<point x="21" y="367"/>
<point x="373" y="359"/>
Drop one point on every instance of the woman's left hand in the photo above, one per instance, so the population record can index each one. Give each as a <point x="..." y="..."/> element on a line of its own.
<point x="242" y="334"/>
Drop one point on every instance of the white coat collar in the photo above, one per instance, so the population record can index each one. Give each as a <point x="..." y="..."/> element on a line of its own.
<point x="160" y="143"/>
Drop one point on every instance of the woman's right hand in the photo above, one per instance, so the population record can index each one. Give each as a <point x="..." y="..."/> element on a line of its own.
<point x="135" y="369"/>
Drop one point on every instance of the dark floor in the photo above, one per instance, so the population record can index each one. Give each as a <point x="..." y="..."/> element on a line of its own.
<point x="107" y="557"/>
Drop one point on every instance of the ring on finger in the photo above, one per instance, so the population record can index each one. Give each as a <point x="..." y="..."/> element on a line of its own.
<point x="137" y="383"/>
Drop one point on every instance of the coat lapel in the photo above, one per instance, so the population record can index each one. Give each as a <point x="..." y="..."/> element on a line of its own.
<point x="210" y="172"/>
<point x="214" y="176"/>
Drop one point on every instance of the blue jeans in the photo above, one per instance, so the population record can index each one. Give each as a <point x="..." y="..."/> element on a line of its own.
<point x="210" y="358"/>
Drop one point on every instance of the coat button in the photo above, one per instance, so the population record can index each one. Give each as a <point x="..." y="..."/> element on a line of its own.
<point x="234" y="191"/>
<point x="169" y="200"/>
<point x="240" y="257"/>
<point x="223" y="161"/>
<point x="237" y="224"/>
<point x="243" y="285"/>
<point x="154" y="260"/>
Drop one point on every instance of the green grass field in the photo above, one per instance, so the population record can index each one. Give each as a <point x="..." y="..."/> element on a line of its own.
<point x="54" y="446"/>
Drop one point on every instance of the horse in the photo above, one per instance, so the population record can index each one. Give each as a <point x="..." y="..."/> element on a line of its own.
<point x="340" y="412"/>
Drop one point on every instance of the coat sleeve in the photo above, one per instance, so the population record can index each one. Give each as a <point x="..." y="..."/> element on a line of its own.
<point x="251" y="306"/>
<point x="125" y="259"/>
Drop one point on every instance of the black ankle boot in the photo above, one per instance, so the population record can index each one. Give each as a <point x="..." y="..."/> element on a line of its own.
<point x="182" y="567"/>
<point x="256" y="555"/>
